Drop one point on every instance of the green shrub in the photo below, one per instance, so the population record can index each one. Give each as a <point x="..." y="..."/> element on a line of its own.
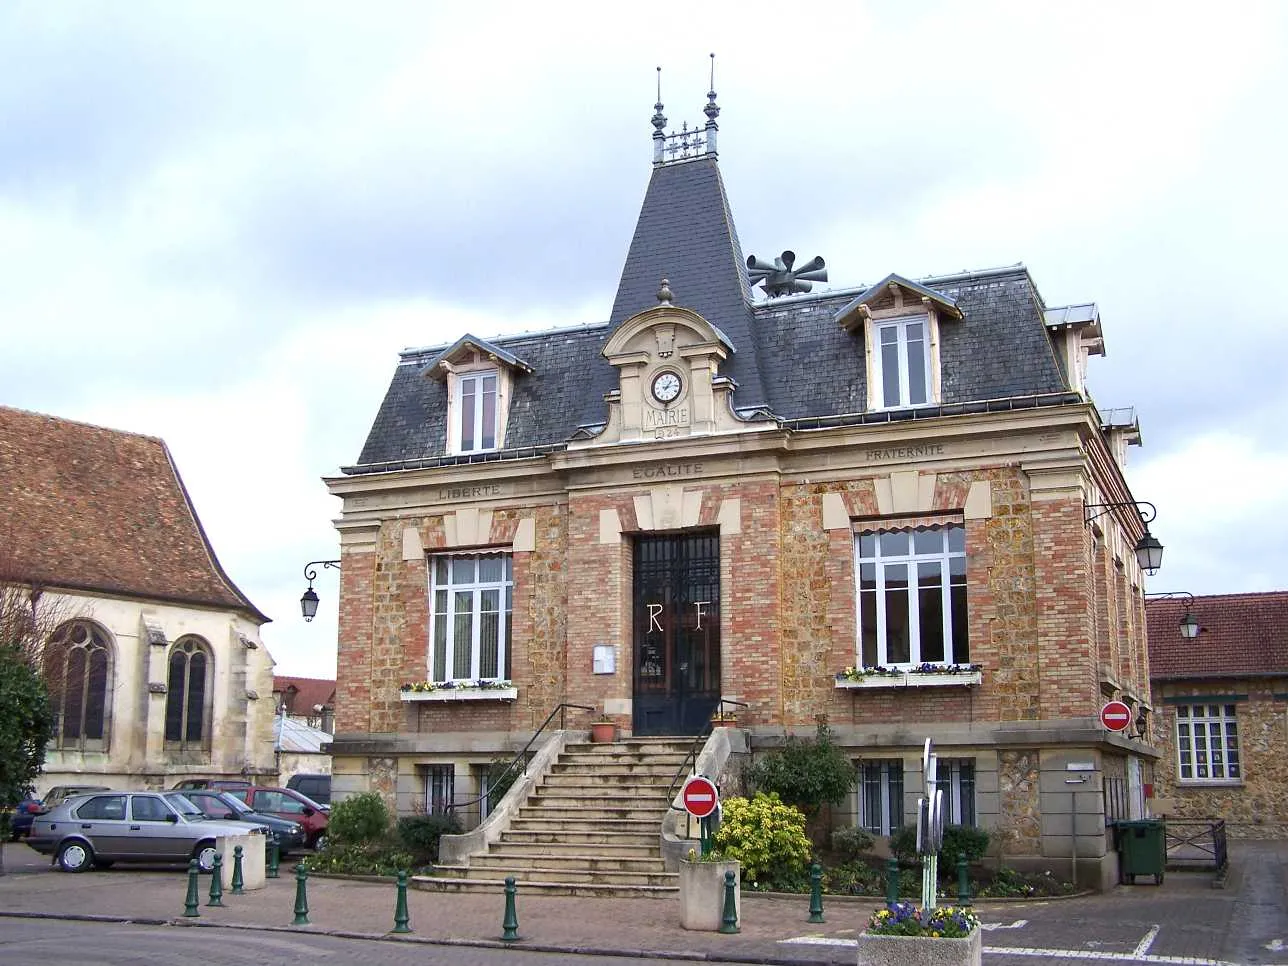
<point x="807" y="773"/>
<point x="419" y="834"/>
<point x="851" y="842"/>
<point x="962" y="840"/>
<point x="767" y="837"/>
<point x="358" y="820"/>
<point x="958" y="840"/>
<point x="368" y="859"/>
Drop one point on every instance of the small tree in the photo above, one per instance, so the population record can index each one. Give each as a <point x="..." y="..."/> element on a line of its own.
<point x="26" y="725"/>
<point x="358" y="820"/>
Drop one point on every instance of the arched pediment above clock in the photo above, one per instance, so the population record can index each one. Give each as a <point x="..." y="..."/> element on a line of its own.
<point x="668" y="378"/>
<point x="664" y="331"/>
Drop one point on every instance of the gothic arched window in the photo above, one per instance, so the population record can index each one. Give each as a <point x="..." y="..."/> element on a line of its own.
<point x="187" y="692"/>
<point x="78" y="671"/>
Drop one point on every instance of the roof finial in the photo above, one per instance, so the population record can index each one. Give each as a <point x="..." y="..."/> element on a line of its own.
<point x="712" y="110"/>
<point x="659" y="119"/>
<point x="664" y="293"/>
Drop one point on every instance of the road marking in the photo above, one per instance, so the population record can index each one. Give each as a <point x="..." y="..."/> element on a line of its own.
<point x="1018" y="924"/>
<point x="1132" y="957"/>
<point x="1276" y="945"/>
<point x="1142" y="947"/>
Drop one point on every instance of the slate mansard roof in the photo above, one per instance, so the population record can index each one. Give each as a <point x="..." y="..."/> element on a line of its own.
<point x="105" y="512"/>
<point x="791" y="359"/>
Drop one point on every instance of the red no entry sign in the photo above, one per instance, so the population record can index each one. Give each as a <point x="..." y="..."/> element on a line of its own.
<point x="1115" y="716"/>
<point x="700" y="796"/>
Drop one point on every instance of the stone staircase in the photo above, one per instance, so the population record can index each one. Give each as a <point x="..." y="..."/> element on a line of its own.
<point x="590" y="827"/>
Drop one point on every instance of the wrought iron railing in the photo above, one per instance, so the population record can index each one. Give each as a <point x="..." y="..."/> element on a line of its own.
<point x="523" y="757"/>
<point x="692" y="757"/>
<point x="1196" y="842"/>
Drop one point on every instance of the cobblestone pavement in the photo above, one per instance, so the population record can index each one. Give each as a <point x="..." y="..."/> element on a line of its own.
<point x="1183" y="921"/>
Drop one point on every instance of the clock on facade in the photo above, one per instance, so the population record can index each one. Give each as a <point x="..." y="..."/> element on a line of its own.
<point x="666" y="387"/>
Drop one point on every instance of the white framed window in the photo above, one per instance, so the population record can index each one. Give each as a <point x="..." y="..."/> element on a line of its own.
<point x="901" y="361"/>
<point x="476" y="411"/>
<point x="471" y="600"/>
<point x="1207" y="743"/>
<point x="956" y="779"/>
<point x="881" y="795"/>
<point x="912" y="596"/>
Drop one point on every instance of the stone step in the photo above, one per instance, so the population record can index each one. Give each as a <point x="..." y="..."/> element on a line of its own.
<point x="591" y="785"/>
<point x="506" y="859"/>
<point x="540" y="888"/>
<point x="580" y="876"/>
<point x="540" y="843"/>
<point x="638" y="829"/>
<point x="674" y="759"/>
<point x="597" y="814"/>
<point x="637" y="772"/>
<point x="645" y="745"/>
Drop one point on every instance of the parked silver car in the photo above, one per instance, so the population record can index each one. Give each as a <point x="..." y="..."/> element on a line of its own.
<point x="109" y="827"/>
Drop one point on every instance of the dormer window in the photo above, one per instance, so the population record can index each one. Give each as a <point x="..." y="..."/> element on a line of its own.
<point x="480" y="377"/>
<point x="901" y="363"/>
<point x="900" y="324"/>
<point x="476" y="414"/>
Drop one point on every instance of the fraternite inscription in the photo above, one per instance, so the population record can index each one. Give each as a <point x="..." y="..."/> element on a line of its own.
<point x="904" y="452"/>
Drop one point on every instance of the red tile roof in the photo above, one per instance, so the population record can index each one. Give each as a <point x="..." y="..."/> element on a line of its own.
<point x="308" y="693"/>
<point x="103" y="511"/>
<point x="1239" y="635"/>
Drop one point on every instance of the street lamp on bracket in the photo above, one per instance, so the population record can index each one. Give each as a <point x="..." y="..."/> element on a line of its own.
<point x="1189" y="623"/>
<point x="1149" y="552"/>
<point x="309" y="599"/>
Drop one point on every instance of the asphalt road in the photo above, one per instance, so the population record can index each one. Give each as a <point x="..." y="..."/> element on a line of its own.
<point x="29" y="942"/>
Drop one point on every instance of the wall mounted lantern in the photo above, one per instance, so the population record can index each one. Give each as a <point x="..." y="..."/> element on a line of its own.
<point x="309" y="599"/>
<point x="1149" y="552"/>
<point x="1189" y="623"/>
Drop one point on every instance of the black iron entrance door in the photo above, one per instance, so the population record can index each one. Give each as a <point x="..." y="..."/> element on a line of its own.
<point x="677" y="632"/>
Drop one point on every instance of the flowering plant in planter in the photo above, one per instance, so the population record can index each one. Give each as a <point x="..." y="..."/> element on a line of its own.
<point x="929" y="668"/>
<point x="905" y="919"/>
<point x="420" y="687"/>
<point x="858" y="673"/>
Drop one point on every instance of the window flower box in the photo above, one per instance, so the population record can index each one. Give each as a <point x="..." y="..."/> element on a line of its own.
<point x="921" y="676"/>
<point x="459" y="691"/>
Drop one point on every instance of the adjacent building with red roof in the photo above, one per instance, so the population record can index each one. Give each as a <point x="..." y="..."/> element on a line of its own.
<point x="155" y="664"/>
<point x="1221" y="703"/>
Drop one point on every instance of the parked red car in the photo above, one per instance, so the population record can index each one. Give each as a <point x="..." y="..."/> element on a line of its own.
<point x="288" y="803"/>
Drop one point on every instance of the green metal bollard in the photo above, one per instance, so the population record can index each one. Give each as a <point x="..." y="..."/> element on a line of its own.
<point x="963" y="882"/>
<point x="816" y="893"/>
<point x="892" y="882"/>
<point x="729" y="923"/>
<point x="301" y="896"/>
<point x="402" y="919"/>
<point x="217" y="882"/>
<point x="237" y="872"/>
<point x="274" y="858"/>
<point x="510" y="924"/>
<point x="192" y="900"/>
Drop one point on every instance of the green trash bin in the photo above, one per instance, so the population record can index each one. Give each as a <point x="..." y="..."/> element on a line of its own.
<point x="1142" y="849"/>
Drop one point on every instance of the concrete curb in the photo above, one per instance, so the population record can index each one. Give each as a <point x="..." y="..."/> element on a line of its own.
<point x="604" y="951"/>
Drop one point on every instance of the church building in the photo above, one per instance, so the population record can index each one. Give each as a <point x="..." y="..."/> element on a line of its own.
<point x="893" y="506"/>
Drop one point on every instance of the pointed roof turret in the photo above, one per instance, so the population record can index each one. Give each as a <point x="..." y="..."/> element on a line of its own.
<point x="685" y="233"/>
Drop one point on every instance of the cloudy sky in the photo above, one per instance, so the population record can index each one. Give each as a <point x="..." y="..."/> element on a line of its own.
<point x="219" y="222"/>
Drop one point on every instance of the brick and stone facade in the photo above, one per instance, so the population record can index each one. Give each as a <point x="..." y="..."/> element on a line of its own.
<point x="1236" y="669"/>
<point x="775" y="448"/>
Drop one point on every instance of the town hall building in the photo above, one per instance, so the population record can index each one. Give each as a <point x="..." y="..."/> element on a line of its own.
<point x="892" y="506"/>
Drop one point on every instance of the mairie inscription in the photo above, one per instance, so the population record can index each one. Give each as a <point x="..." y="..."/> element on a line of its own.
<point x="474" y="491"/>
<point x="666" y="471"/>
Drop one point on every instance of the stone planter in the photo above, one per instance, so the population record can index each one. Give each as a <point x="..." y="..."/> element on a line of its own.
<point x="920" y="950"/>
<point x="702" y="886"/>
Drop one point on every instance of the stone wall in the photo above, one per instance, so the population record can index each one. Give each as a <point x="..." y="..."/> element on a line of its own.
<point x="1256" y="806"/>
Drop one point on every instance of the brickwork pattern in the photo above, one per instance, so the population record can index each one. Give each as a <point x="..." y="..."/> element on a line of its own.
<point x="1064" y="656"/>
<point x="353" y="657"/>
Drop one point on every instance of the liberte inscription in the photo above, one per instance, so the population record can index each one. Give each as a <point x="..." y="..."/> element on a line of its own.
<point x="478" y="492"/>
<point x="904" y="452"/>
